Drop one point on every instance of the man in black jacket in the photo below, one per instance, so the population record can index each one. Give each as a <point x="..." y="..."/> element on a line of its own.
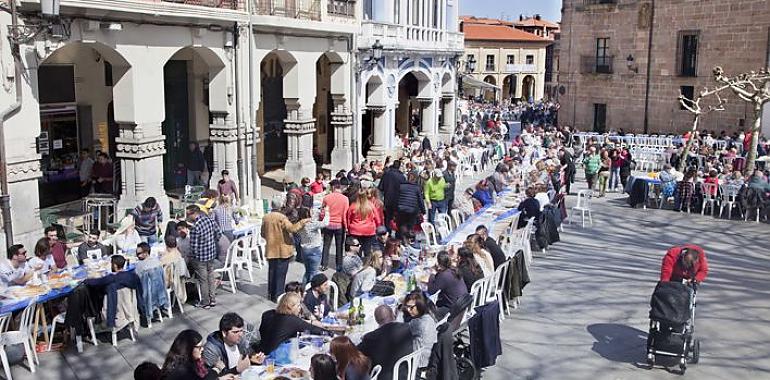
<point x="410" y="204"/>
<point x="389" y="186"/>
<point x="390" y="342"/>
<point x="451" y="180"/>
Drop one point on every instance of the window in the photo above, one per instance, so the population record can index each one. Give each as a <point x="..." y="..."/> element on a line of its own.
<point x="688" y="92"/>
<point x="490" y="62"/>
<point x="687" y="57"/>
<point x="510" y="59"/>
<point x="603" y="58"/>
<point x="600" y="117"/>
<point x="530" y="59"/>
<point x="436" y="11"/>
<point x="469" y="58"/>
<point x="415" y="12"/>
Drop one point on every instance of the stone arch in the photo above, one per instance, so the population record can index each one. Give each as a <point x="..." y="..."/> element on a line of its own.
<point x="490" y="94"/>
<point x="509" y="87"/>
<point x="447" y="85"/>
<point x="424" y="79"/>
<point x="528" y="87"/>
<point x="217" y="75"/>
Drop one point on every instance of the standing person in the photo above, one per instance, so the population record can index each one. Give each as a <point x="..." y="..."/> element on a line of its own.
<point x="58" y="249"/>
<point x="336" y="205"/>
<point x="625" y="169"/>
<point x="605" y="165"/>
<point x="410" y="204"/>
<point x="226" y="186"/>
<point x="435" y="189"/>
<point x="146" y="218"/>
<point x="85" y="172"/>
<point x="196" y="165"/>
<point x="451" y="180"/>
<point x="362" y="220"/>
<point x="204" y="236"/>
<point x="568" y="168"/>
<point x="102" y="174"/>
<point x="318" y="185"/>
<point x="277" y="231"/>
<point x="592" y="163"/>
<point x="311" y="241"/>
<point x="617" y="163"/>
<point x="225" y="215"/>
<point x="389" y="187"/>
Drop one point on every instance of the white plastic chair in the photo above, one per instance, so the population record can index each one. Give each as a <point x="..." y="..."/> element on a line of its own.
<point x="520" y="241"/>
<point x="21" y="336"/>
<point x="258" y="245"/>
<point x="583" y="206"/>
<point x="446" y="219"/>
<point x="458" y="217"/>
<point x="375" y="372"/>
<point x="479" y="292"/>
<point x="729" y="199"/>
<point x="441" y="227"/>
<point x="412" y="362"/>
<point x="242" y="256"/>
<point x="430" y="233"/>
<point x="228" y="267"/>
<point x="709" y="191"/>
<point x="496" y="288"/>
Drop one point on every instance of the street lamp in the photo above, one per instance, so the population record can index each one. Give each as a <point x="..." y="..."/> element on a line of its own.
<point x="470" y="66"/>
<point x="373" y="59"/>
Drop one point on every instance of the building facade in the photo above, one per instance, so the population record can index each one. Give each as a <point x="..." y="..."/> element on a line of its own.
<point x="624" y="63"/>
<point x="507" y="57"/>
<point x="411" y="89"/>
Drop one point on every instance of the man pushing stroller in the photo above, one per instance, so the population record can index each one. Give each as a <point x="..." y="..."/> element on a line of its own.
<point x="685" y="263"/>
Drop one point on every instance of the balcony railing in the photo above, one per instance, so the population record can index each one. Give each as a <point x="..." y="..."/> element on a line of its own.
<point x="396" y="36"/>
<point x="344" y="8"/>
<point x="220" y="4"/>
<point x="520" y="68"/>
<point x="590" y="64"/>
<point x="299" y="9"/>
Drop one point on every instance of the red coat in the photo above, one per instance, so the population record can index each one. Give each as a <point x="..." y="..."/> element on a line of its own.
<point x="672" y="265"/>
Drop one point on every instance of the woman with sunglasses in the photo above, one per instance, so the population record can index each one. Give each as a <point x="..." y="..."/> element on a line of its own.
<point x="422" y="324"/>
<point x="184" y="360"/>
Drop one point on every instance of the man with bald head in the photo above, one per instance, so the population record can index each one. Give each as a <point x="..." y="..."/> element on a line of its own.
<point x="388" y="343"/>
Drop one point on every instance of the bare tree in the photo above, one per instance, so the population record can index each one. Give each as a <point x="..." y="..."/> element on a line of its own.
<point x="694" y="106"/>
<point x="752" y="87"/>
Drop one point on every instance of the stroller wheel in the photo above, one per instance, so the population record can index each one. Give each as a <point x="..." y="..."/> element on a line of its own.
<point x="651" y="360"/>
<point x="695" y="351"/>
<point x="682" y="366"/>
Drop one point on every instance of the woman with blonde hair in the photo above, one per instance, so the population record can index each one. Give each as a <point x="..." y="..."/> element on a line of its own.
<point x="361" y="221"/>
<point x="284" y="323"/>
<point x="364" y="280"/>
<point x="379" y="207"/>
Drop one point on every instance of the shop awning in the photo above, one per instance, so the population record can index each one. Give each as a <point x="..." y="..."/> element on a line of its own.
<point x="472" y="82"/>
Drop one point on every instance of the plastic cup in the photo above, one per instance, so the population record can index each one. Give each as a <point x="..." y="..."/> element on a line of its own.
<point x="269" y="365"/>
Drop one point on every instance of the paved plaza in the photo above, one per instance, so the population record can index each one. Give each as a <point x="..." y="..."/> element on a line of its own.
<point x="583" y="316"/>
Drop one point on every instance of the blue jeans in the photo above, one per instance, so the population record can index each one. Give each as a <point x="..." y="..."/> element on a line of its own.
<point x="436" y="206"/>
<point x="614" y="178"/>
<point x="150" y="239"/>
<point x="312" y="260"/>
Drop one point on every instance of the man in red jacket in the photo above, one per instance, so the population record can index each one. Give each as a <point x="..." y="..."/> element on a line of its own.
<point x="687" y="262"/>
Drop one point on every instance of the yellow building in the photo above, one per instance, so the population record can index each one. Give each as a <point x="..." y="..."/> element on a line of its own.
<point x="509" y="58"/>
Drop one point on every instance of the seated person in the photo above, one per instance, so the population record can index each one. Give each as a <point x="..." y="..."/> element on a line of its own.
<point x="530" y="207"/>
<point x="351" y="261"/>
<point x="111" y="283"/>
<point x="364" y="280"/>
<point x="171" y="255"/>
<point x="284" y="323"/>
<point x="759" y="181"/>
<point x="316" y="298"/>
<point x="448" y="281"/>
<point x="145" y="262"/>
<point x="92" y="248"/>
<point x="483" y="194"/>
<point x="43" y="260"/>
<point x="498" y="256"/>
<point x="422" y="324"/>
<point x="229" y="349"/>
<point x="296" y="287"/>
<point x="389" y="342"/>
<point x="183" y="240"/>
<point x="14" y="270"/>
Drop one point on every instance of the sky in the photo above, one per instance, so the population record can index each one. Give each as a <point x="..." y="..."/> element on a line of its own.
<point x="510" y="9"/>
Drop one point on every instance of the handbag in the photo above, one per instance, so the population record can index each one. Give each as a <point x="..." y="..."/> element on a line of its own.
<point x="383" y="288"/>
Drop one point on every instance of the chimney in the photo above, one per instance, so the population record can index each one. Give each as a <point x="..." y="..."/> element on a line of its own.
<point x="537" y="17"/>
<point x="521" y="17"/>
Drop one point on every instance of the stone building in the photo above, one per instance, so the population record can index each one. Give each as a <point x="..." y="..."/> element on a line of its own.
<point x="624" y="62"/>
<point x="410" y="90"/>
<point x="507" y="57"/>
<point x="538" y="26"/>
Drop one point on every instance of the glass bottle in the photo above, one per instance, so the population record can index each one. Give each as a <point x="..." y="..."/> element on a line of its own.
<point x="361" y="315"/>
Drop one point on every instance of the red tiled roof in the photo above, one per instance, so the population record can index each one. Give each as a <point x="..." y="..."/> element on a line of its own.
<point x="486" y="32"/>
<point x="531" y="21"/>
<point x="484" y="20"/>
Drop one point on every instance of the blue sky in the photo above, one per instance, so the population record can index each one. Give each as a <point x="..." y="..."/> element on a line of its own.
<point x="510" y="9"/>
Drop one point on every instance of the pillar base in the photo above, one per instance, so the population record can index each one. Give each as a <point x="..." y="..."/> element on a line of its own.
<point x="296" y="170"/>
<point x="342" y="159"/>
<point x="376" y="152"/>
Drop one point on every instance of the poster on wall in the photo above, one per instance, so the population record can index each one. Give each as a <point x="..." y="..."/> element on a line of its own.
<point x="102" y="136"/>
<point x="58" y="144"/>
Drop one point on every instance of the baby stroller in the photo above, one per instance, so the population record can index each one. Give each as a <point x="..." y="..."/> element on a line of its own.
<point x="672" y="324"/>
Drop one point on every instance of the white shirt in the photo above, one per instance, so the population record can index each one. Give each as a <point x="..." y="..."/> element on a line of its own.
<point x="543" y="199"/>
<point x="233" y="355"/>
<point x="8" y="273"/>
<point x="47" y="264"/>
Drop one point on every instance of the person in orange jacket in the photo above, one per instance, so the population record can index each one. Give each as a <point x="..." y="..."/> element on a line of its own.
<point x="687" y="262"/>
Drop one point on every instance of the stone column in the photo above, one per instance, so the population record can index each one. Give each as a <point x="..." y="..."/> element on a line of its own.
<point x="342" y="125"/>
<point x="140" y="149"/>
<point x="428" y="118"/>
<point x="300" y="127"/>
<point x="378" y="150"/>
<point x="223" y="135"/>
<point x="447" y="127"/>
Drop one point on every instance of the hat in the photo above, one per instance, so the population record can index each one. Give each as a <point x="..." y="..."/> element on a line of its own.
<point x="437" y="172"/>
<point x="125" y="223"/>
<point x="381" y="230"/>
<point x="318" y="280"/>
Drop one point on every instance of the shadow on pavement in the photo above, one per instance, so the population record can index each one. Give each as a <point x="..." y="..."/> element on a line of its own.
<point x="619" y="343"/>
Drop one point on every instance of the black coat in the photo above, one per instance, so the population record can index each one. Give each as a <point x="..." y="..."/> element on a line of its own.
<point x="276" y="328"/>
<point x="187" y="373"/>
<point x="385" y="345"/>
<point x="498" y="256"/>
<point x="410" y="198"/>
<point x="389" y="186"/>
<point x="484" y="329"/>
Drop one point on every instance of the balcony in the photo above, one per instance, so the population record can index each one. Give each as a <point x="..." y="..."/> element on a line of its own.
<point x="220" y="4"/>
<point x="298" y="9"/>
<point x="590" y="64"/>
<point x="409" y="37"/>
<point x="520" y="68"/>
<point x="343" y="8"/>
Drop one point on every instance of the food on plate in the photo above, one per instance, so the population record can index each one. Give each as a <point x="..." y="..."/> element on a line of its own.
<point x="295" y="373"/>
<point x="28" y="291"/>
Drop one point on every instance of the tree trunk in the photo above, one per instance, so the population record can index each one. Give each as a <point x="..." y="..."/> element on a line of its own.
<point x="752" y="157"/>
<point x="686" y="152"/>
